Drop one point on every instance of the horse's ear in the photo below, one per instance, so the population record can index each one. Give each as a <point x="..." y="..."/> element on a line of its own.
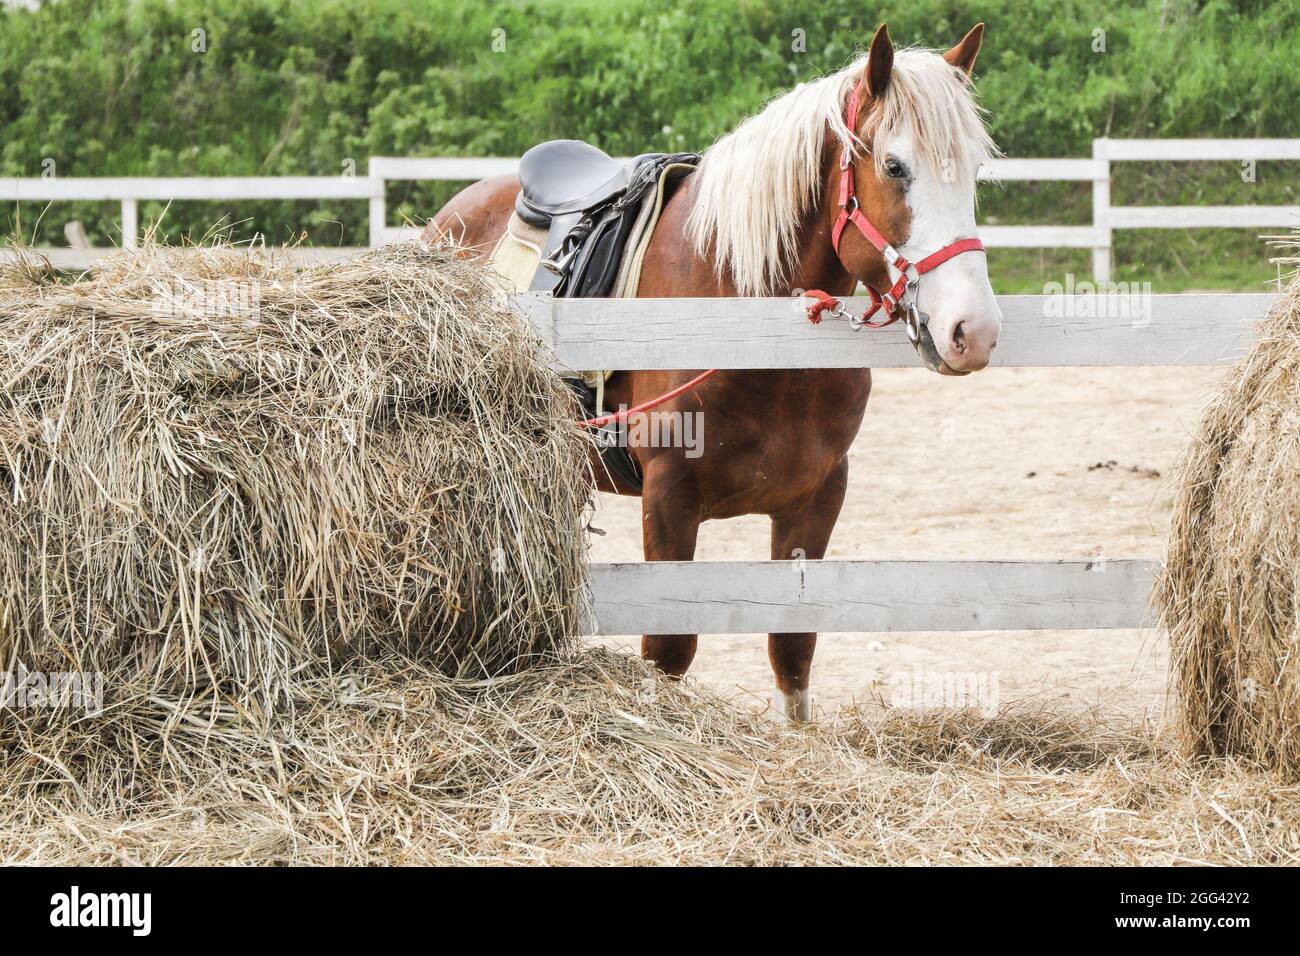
<point x="964" y="53"/>
<point x="880" y="61"/>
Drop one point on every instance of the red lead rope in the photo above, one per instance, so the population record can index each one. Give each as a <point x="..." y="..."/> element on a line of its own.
<point x="850" y="212"/>
<point x="623" y="416"/>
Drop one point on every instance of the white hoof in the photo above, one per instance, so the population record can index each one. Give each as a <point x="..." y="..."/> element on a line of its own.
<point x="798" y="706"/>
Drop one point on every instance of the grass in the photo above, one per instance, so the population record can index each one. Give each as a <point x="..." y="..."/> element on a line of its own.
<point x="1170" y="261"/>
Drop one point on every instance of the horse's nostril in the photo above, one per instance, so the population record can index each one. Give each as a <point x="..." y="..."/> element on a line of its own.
<point x="959" y="337"/>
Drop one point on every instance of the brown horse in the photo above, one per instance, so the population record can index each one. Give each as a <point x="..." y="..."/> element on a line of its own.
<point x="765" y="214"/>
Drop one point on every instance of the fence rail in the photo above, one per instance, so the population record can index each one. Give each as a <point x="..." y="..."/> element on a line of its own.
<point x="1037" y="330"/>
<point x="1097" y="236"/>
<point x="736" y="597"/>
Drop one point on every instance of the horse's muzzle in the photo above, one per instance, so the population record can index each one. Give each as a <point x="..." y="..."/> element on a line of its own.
<point x="925" y="347"/>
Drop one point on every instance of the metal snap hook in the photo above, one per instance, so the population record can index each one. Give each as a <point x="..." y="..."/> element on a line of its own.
<point x="915" y="319"/>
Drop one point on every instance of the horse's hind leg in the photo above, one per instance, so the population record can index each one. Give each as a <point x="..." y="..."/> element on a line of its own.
<point x="803" y="533"/>
<point x="670" y="524"/>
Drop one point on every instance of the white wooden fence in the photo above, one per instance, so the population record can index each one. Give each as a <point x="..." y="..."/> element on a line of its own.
<point x="829" y="596"/>
<point x="1098" y="236"/>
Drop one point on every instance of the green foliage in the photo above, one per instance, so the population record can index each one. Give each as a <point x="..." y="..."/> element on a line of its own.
<point x="299" y="87"/>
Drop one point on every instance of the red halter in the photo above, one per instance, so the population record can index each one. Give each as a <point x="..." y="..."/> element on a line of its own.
<point x="851" y="212"/>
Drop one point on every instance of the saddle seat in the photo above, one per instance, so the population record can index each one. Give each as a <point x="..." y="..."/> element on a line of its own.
<point x="567" y="176"/>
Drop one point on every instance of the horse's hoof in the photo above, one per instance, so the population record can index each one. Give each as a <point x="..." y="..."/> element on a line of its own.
<point x="798" y="706"/>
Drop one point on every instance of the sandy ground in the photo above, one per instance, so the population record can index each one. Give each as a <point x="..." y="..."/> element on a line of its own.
<point x="1008" y="463"/>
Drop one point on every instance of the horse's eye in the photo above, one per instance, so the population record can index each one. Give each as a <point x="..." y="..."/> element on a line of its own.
<point x="895" y="170"/>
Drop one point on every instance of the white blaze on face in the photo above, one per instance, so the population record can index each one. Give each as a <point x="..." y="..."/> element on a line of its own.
<point x="964" y="315"/>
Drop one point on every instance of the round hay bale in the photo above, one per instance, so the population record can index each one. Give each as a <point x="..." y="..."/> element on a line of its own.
<point x="218" y="471"/>
<point x="1229" y="594"/>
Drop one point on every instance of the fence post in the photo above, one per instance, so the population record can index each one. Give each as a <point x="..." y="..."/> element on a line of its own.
<point x="378" y="205"/>
<point x="1101" y="255"/>
<point x="130" y="223"/>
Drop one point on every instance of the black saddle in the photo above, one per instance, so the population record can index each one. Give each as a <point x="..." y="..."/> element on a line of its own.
<point x="589" y="204"/>
<point x="567" y="176"/>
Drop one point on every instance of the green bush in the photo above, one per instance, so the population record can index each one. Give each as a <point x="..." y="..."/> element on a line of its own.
<point x="302" y="87"/>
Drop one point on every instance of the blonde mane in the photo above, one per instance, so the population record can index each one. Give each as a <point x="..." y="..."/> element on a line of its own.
<point x="756" y="183"/>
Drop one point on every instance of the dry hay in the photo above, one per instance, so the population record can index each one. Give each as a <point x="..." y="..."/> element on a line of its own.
<point x="594" y="759"/>
<point x="218" y="471"/>
<point x="1230" y="592"/>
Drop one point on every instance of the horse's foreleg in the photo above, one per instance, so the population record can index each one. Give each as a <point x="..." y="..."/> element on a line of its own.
<point x="801" y="533"/>
<point x="670" y="524"/>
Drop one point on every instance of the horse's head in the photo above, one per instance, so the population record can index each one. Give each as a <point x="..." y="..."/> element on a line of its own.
<point x="912" y="158"/>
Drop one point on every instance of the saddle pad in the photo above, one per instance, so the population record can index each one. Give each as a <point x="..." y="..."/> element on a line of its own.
<point x="629" y="277"/>
<point x="515" y="256"/>
<point x="515" y="259"/>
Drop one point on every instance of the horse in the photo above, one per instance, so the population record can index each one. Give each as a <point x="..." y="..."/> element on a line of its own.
<point x="859" y="176"/>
